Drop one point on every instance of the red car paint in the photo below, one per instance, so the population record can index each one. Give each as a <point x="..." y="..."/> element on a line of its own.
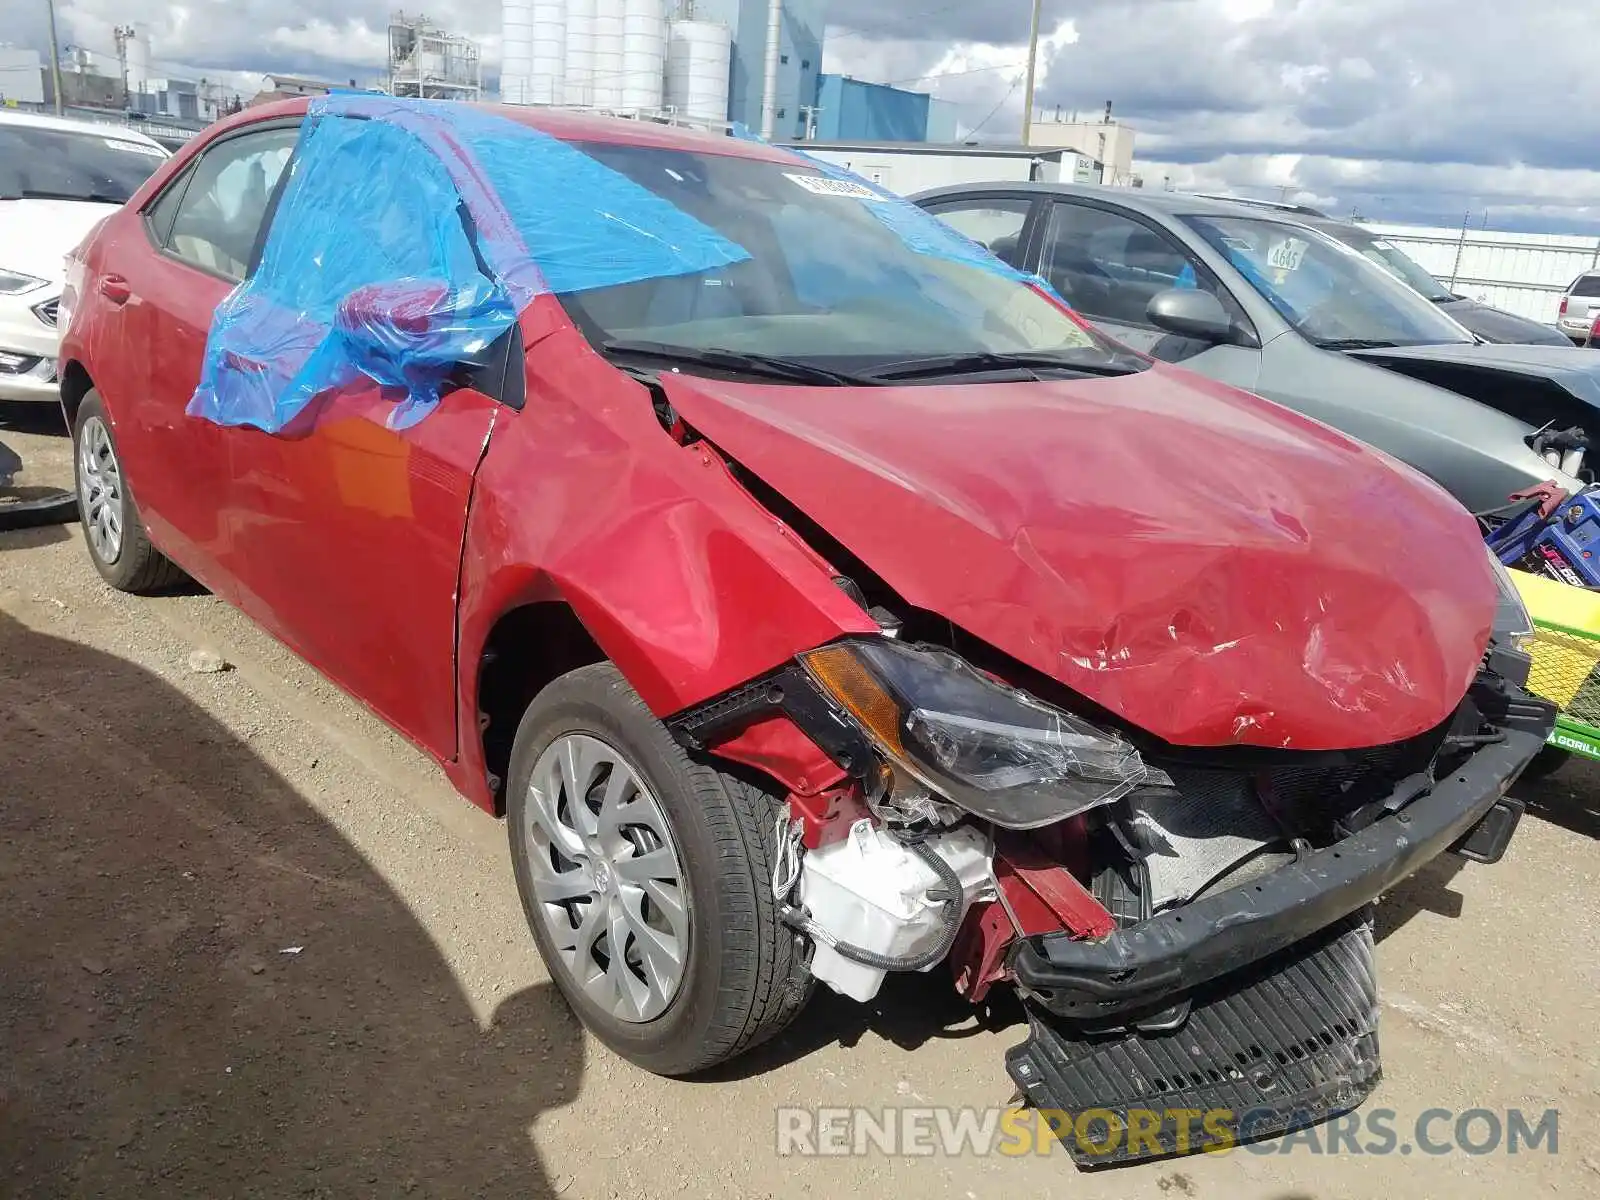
<point x="1202" y="563"/>
<point x="1207" y="565"/>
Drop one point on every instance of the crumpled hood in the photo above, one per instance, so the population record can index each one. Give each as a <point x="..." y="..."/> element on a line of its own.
<point x="1213" y="568"/>
<point x="1481" y="371"/>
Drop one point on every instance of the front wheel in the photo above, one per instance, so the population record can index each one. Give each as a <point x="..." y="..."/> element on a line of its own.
<point x="112" y="527"/>
<point x="646" y="880"/>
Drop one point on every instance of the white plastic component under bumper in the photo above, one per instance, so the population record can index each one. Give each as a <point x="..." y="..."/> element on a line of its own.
<point x="870" y="892"/>
<point x="29" y="342"/>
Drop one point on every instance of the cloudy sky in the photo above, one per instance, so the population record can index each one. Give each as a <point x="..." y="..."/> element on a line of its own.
<point x="1405" y="110"/>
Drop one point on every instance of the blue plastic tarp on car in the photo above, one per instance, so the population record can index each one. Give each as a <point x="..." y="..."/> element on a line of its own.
<point x="408" y="237"/>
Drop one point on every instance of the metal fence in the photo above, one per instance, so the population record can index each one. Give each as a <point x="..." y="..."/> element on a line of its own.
<point x="1524" y="273"/>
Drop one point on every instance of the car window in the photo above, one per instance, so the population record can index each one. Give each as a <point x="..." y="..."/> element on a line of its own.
<point x="830" y="279"/>
<point x="1109" y="266"/>
<point x="1393" y="260"/>
<point x="1333" y="295"/>
<point x="56" y="164"/>
<point x="216" y="221"/>
<point x="994" y="223"/>
<point x="161" y="213"/>
<point x="1586" y="285"/>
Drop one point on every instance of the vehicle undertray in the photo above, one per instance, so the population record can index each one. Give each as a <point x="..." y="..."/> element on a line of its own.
<point x="1284" y="1043"/>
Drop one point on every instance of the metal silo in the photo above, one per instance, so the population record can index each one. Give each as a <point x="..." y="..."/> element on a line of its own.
<point x="580" y="53"/>
<point x="698" y="54"/>
<point x="548" y="57"/>
<point x="644" y="53"/>
<point x="609" y="24"/>
<point x="516" y="48"/>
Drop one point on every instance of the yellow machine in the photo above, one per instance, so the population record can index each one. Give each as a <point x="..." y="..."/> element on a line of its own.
<point x="1566" y="651"/>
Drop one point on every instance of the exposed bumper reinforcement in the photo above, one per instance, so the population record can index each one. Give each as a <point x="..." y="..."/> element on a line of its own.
<point x="1285" y="1043"/>
<point x="1150" y="964"/>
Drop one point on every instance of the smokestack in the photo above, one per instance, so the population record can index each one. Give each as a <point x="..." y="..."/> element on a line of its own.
<point x="769" y="93"/>
<point x="1108" y="113"/>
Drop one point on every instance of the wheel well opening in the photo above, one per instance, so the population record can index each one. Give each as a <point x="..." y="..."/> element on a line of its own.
<point x="529" y="648"/>
<point x="75" y="385"/>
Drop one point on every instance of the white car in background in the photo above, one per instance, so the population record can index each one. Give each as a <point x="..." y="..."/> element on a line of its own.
<point x="1580" y="307"/>
<point x="58" y="180"/>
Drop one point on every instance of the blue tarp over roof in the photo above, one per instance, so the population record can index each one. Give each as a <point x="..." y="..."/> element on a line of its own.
<point x="410" y="235"/>
<point x="369" y="267"/>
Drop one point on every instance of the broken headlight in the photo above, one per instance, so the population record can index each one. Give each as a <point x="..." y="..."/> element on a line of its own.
<point x="994" y="751"/>
<point x="1513" y="628"/>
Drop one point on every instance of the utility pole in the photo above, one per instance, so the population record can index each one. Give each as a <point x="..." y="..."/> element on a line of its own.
<point x="1033" y="63"/>
<point x="55" y="56"/>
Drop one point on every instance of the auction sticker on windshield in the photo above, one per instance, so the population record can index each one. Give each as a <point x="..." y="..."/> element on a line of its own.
<point x="132" y="147"/>
<point x="822" y="186"/>
<point x="1286" y="255"/>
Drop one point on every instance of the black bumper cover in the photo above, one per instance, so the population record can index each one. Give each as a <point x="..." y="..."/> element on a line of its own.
<point x="1149" y="965"/>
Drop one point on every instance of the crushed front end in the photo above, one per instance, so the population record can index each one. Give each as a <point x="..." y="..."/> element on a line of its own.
<point x="1189" y="930"/>
<point x="1239" y="979"/>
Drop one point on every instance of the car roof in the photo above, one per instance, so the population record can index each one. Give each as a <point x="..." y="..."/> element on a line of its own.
<point x="103" y="129"/>
<point x="1168" y="204"/>
<point x="570" y="126"/>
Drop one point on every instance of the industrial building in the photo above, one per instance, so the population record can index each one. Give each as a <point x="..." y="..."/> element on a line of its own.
<point x="427" y="62"/>
<point x="910" y="167"/>
<point x="126" y="82"/>
<point x="1106" y="141"/>
<point x="21" y="76"/>
<point x="798" y="58"/>
<point x="755" y="62"/>
<point x="853" y="110"/>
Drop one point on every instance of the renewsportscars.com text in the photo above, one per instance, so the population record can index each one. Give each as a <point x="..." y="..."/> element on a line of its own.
<point x="955" y="1132"/>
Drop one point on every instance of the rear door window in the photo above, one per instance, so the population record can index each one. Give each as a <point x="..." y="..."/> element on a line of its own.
<point x="994" y="222"/>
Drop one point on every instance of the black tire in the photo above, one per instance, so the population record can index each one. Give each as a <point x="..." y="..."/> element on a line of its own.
<point x="1545" y="764"/>
<point x="744" y="978"/>
<point x="136" y="566"/>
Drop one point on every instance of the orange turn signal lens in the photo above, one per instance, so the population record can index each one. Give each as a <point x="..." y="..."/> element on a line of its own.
<point x="853" y="686"/>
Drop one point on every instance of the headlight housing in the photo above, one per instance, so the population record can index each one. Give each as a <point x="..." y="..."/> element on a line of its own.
<point x="1513" y="627"/>
<point x="14" y="283"/>
<point x="990" y="749"/>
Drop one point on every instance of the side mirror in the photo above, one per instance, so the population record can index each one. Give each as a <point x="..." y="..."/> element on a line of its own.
<point x="399" y="330"/>
<point x="1192" y="313"/>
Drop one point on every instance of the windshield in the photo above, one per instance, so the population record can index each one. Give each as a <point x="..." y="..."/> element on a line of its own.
<point x="58" y="164"/>
<point x="829" y="282"/>
<point x="1334" y="295"/>
<point x="1393" y="260"/>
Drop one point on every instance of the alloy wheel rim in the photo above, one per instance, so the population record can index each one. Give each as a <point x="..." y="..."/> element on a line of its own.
<point x="100" y="490"/>
<point x="607" y="878"/>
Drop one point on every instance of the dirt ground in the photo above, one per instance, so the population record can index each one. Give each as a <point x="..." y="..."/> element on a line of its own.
<point x="251" y="944"/>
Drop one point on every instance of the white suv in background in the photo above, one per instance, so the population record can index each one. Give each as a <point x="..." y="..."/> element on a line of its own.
<point x="1579" y="307"/>
<point x="58" y="180"/>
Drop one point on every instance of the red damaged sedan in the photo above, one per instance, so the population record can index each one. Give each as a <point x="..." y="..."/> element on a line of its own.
<point x="815" y="596"/>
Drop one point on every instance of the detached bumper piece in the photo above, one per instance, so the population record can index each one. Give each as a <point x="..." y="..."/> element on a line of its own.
<point x="1285" y="1043"/>
<point x="1155" y="962"/>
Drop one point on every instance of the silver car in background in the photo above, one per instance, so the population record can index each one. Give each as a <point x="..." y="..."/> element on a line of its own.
<point x="1260" y="300"/>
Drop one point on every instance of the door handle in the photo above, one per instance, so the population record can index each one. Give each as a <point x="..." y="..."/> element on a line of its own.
<point x="115" y="289"/>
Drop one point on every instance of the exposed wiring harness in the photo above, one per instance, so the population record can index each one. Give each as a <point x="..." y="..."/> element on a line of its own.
<point x="947" y="893"/>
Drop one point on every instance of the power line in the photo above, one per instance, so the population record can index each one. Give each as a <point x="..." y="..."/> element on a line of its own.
<point x="852" y="32"/>
<point x="955" y="74"/>
<point x="1015" y="83"/>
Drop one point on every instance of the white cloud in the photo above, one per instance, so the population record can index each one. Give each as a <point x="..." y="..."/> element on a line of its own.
<point x="1414" y="109"/>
